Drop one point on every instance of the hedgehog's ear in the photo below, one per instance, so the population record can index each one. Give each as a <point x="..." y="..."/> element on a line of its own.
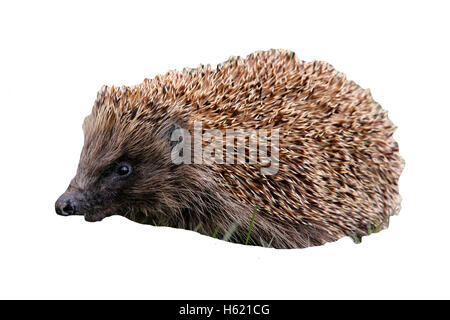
<point x="180" y="144"/>
<point x="175" y="133"/>
<point x="171" y="128"/>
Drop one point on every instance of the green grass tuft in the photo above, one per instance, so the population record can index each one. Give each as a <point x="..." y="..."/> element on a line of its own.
<point x="232" y="229"/>
<point x="230" y="232"/>
<point x="215" y="232"/>
<point x="251" y="225"/>
<point x="270" y="242"/>
<point x="369" y="229"/>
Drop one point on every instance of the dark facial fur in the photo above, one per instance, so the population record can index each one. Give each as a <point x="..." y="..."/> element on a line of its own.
<point x="339" y="165"/>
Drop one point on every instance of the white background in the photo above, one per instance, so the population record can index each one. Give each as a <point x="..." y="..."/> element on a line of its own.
<point x="54" y="56"/>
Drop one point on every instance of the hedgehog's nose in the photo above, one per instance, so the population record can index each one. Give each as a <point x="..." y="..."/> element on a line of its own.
<point x="66" y="205"/>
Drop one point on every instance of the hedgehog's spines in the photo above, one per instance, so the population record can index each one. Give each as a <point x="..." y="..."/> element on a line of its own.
<point x="339" y="165"/>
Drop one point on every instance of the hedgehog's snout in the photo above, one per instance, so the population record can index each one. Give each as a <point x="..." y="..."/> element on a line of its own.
<point x="66" y="205"/>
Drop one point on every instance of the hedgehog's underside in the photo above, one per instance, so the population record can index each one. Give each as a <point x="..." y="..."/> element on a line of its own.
<point x="339" y="164"/>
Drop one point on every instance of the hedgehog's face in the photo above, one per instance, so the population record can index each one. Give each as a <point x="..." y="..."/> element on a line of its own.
<point x="125" y="169"/>
<point x="100" y="195"/>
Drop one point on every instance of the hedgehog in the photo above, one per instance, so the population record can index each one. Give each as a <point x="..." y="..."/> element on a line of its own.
<point x="337" y="170"/>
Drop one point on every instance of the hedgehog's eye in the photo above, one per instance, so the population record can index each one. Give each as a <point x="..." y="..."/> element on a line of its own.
<point x="123" y="169"/>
